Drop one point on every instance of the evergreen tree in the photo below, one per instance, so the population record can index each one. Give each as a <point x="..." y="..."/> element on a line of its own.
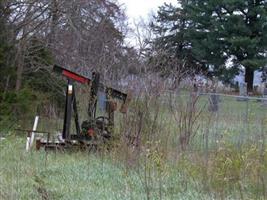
<point x="205" y="38"/>
<point x="246" y="35"/>
<point x="6" y="52"/>
<point x="172" y="55"/>
<point x="218" y="30"/>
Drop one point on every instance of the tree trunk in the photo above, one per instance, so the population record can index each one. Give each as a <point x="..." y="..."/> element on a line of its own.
<point x="21" y="46"/>
<point x="6" y="88"/>
<point x="20" y="66"/>
<point x="249" y="78"/>
<point x="19" y="77"/>
<point x="54" y="21"/>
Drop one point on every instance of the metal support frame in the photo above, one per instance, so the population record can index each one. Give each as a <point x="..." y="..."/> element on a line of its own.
<point x="76" y="115"/>
<point x="70" y="105"/>
<point x="79" y="139"/>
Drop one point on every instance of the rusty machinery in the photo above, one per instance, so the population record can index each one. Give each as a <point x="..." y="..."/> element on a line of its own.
<point x="95" y="128"/>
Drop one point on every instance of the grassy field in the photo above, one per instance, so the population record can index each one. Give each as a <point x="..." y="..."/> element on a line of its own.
<point x="225" y="158"/>
<point x="79" y="175"/>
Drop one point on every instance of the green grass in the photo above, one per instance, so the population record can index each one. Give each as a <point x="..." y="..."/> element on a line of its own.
<point x="99" y="175"/>
<point x="41" y="175"/>
<point x="225" y="160"/>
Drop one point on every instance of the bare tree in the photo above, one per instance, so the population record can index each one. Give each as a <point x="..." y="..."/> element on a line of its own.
<point x="87" y="35"/>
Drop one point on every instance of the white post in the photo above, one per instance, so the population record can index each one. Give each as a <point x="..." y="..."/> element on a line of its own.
<point x="28" y="143"/>
<point x="34" y="129"/>
<point x="30" y="138"/>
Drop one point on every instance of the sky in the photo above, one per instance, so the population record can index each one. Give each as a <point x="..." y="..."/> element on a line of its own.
<point x="142" y="8"/>
<point x="136" y="9"/>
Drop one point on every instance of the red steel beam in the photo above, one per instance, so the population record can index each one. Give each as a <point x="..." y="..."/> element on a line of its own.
<point x="71" y="75"/>
<point x="75" y="77"/>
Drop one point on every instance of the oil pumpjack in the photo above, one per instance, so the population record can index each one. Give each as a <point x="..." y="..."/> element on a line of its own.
<point x="95" y="129"/>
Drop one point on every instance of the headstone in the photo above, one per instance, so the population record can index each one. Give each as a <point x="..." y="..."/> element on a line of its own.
<point x="256" y="88"/>
<point x="243" y="93"/>
<point x="265" y="96"/>
<point x="214" y="98"/>
<point x="265" y="92"/>
<point x="214" y="102"/>
<point x="236" y="86"/>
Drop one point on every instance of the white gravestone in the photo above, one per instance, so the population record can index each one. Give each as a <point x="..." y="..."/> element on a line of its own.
<point x="243" y="93"/>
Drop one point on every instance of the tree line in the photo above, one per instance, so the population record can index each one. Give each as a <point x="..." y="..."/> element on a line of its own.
<point x="35" y="34"/>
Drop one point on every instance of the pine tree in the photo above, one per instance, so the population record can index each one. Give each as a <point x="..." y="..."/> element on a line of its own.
<point x="218" y="30"/>
<point x="205" y="37"/>
<point x="6" y="53"/>
<point x="172" y="55"/>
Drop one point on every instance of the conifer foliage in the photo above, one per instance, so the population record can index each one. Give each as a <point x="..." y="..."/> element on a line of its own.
<point x="216" y="31"/>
